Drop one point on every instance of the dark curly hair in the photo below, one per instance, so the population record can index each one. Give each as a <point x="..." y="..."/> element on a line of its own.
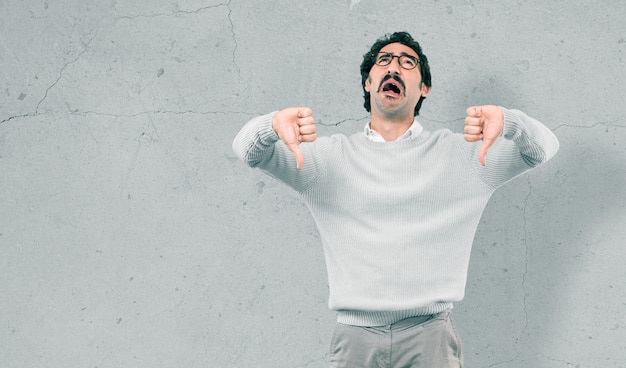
<point x="369" y="58"/>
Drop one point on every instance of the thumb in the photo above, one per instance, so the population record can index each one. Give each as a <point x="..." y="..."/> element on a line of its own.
<point x="299" y="156"/>
<point x="482" y="154"/>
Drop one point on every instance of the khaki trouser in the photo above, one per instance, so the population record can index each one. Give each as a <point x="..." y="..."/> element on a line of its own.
<point x="417" y="342"/>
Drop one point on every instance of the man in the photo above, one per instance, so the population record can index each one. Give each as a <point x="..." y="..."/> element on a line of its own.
<point x="396" y="206"/>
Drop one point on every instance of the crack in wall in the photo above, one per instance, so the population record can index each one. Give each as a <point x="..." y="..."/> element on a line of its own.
<point x="341" y="121"/>
<point x="17" y="117"/>
<point x="526" y="248"/>
<point x="565" y="362"/>
<point x="187" y="12"/>
<point x="612" y="123"/>
<point x="232" y="31"/>
<point x="164" y="112"/>
<point x="441" y="122"/>
<point x="314" y="362"/>
<point x="524" y="274"/>
<point x="500" y="363"/>
<point x="142" y="113"/>
<point x="86" y="48"/>
<point x="58" y="79"/>
<point x="171" y="14"/>
<point x="80" y="55"/>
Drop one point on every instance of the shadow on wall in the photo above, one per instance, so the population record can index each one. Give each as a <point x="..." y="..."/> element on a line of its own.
<point x="554" y="265"/>
<point x="577" y="267"/>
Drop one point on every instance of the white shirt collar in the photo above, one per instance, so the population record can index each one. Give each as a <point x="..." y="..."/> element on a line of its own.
<point x="414" y="130"/>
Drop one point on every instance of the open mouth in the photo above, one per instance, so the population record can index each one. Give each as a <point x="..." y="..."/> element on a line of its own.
<point x="392" y="87"/>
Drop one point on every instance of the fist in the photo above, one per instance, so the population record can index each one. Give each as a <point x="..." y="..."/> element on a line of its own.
<point x="293" y="126"/>
<point x="484" y="123"/>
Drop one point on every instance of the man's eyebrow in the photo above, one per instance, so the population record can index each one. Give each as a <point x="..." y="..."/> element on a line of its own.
<point x="403" y="53"/>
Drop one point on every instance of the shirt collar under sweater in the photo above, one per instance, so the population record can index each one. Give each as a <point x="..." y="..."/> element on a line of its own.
<point x="414" y="130"/>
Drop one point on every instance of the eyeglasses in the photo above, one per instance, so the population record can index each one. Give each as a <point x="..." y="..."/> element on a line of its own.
<point x="407" y="62"/>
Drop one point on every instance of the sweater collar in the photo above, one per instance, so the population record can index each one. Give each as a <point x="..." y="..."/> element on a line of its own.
<point x="414" y="130"/>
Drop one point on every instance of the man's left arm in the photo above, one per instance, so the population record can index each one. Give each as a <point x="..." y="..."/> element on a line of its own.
<point x="512" y="142"/>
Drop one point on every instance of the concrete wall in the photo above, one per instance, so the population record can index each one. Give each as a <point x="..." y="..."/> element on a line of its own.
<point x="131" y="236"/>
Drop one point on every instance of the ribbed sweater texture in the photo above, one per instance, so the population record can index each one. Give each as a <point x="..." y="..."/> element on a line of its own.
<point x="397" y="219"/>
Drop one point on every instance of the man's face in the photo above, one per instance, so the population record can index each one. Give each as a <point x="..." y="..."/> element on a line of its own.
<point x="394" y="90"/>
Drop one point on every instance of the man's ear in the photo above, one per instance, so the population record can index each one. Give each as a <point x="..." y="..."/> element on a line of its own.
<point x="425" y="90"/>
<point x="367" y="85"/>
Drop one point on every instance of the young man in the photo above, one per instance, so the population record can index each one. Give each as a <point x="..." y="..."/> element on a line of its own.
<point x="396" y="206"/>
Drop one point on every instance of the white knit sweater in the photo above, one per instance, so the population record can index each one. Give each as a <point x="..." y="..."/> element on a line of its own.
<point x="397" y="219"/>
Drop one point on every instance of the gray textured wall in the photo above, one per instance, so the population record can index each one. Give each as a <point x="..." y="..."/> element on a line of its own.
<point x="130" y="235"/>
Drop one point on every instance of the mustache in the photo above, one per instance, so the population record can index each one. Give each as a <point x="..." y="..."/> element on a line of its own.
<point x="389" y="76"/>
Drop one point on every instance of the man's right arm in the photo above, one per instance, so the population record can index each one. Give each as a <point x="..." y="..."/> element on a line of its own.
<point x="255" y="142"/>
<point x="272" y="143"/>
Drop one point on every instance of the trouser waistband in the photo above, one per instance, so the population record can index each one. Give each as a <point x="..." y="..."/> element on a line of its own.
<point x="417" y="320"/>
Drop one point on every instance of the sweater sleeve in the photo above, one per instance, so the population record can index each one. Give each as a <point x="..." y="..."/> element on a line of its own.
<point x="525" y="143"/>
<point x="259" y="146"/>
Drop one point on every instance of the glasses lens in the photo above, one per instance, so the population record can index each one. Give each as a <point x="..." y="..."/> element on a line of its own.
<point x="384" y="59"/>
<point x="407" y="62"/>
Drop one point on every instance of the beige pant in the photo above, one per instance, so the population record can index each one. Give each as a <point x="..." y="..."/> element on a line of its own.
<point x="417" y="342"/>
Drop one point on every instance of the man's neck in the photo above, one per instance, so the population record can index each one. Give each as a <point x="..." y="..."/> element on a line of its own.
<point x="390" y="129"/>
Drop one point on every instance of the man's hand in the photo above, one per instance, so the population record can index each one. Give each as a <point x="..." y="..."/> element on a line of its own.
<point x="294" y="125"/>
<point x="486" y="123"/>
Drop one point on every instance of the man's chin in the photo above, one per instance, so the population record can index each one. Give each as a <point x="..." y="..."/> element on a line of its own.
<point x="395" y="112"/>
<point x="392" y="104"/>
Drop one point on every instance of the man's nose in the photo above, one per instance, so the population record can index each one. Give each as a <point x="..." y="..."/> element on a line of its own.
<point x="394" y="67"/>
